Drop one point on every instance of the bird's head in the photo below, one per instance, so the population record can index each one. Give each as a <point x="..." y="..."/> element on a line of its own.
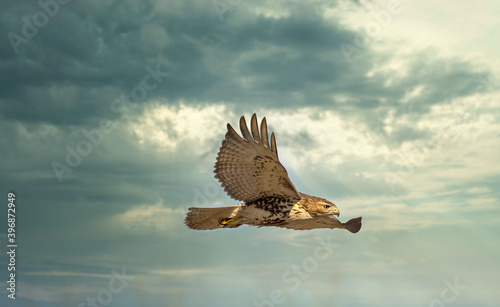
<point x="325" y="207"/>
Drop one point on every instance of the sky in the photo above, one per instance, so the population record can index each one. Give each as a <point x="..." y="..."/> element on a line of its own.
<point x="112" y="113"/>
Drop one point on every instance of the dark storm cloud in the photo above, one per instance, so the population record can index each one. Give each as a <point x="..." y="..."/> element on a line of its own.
<point x="88" y="55"/>
<point x="66" y="78"/>
<point x="115" y="178"/>
<point x="75" y="66"/>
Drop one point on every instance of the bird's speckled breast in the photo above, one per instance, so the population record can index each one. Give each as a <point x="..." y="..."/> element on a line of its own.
<point x="267" y="211"/>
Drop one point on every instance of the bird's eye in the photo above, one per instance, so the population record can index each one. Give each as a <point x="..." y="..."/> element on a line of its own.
<point x="326" y="206"/>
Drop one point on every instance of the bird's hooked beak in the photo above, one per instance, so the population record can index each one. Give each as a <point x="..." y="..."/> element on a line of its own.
<point x="335" y="211"/>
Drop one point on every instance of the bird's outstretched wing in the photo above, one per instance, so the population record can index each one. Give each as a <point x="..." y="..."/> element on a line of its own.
<point x="327" y="221"/>
<point x="248" y="168"/>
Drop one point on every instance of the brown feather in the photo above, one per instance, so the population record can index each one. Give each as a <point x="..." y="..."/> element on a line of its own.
<point x="248" y="170"/>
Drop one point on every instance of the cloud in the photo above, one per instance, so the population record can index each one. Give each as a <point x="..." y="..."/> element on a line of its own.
<point x="164" y="127"/>
<point x="405" y="135"/>
<point x="146" y="219"/>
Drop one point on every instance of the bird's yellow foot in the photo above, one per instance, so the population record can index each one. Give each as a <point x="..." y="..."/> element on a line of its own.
<point x="223" y="222"/>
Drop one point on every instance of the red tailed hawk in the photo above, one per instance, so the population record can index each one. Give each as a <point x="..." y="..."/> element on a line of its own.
<point x="249" y="170"/>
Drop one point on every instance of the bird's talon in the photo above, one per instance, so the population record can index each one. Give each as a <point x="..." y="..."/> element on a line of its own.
<point x="224" y="222"/>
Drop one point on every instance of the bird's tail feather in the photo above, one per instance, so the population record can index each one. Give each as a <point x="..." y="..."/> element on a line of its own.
<point x="209" y="218"/>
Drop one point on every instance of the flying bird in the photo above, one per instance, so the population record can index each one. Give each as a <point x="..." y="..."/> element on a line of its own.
<point x="249" y="170"/>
